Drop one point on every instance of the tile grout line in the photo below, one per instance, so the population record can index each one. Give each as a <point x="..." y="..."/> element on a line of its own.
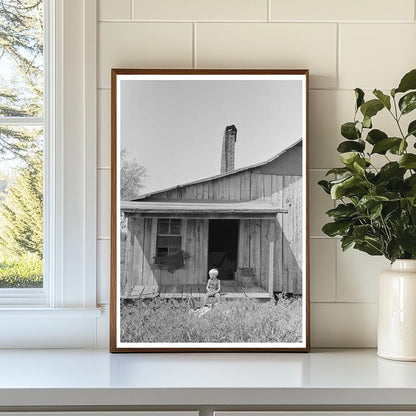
<point x="336" y="271"/>
<point x="131" y="9"/>
<point x="348" y="302"/>
<point x="269" y="10"/>
<point x="194" y="63"/>
<point x="338" y="63"/>
<point x="307" y="22"/>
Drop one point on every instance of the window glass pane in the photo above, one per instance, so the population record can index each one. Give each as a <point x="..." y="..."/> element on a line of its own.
<point x="163" y="241"/>
<point x="175" y="227"/>
<point x="21" y="147"/>
<point x="163" y="227"/>
<point x="21" y="58"/>
<point x="174" y="245"/>
<point x="21" y="207"/>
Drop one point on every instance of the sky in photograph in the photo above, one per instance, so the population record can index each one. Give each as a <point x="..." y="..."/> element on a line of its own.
<point x="175" y="128"/>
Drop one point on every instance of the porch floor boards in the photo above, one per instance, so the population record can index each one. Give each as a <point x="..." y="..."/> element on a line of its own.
<point x="229" y="289"/>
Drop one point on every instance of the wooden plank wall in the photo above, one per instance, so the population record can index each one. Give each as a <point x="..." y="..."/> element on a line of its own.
<point x="292" y="234"/>
<point x="285" y="232"/>
<point x="140" y="250"/>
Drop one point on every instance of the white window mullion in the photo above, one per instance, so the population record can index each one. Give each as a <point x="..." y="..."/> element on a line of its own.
<point x="22" y="121"/>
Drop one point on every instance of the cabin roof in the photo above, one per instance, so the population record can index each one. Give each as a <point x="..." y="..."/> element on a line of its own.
<point x="250" y="209"/>
<point x="221" y="175"/>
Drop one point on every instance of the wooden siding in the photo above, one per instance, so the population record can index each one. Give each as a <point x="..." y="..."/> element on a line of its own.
<point x="139" y="268"/>
<point x="243" y="186"/>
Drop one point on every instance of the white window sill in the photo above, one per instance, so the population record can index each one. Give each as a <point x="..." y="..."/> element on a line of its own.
<point x="36" y="312"/>
<point x="41" y="327"/>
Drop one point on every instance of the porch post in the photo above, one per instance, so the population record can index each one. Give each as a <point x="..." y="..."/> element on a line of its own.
<point x="271" y="263"/>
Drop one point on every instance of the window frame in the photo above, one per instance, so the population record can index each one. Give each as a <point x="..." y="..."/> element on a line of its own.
<point x="65" y="314"/>
<point x="37" y="296"/>
<point x="169" y="235"/>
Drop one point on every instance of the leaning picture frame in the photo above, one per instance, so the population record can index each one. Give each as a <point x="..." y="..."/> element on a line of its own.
<point x="209" y="211"/>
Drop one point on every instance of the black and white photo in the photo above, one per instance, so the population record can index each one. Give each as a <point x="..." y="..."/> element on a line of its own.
<point x="209" y="210"/>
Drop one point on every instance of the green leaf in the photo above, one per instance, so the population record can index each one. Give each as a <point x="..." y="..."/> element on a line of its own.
<point x="375" y="136"/>
<point x="408" y="102"/>
<point x="359" y="165"/>
<point x="375" y="211"/>
<point x="371" y="108"/>
<point x="385" y="99"/>
<point x="408" y="161"/>
<point x="348" y="158"/>
<point x="411" y="130"/>
<point x="338" y="171"/>
<point x="369" y="201"/>
<point x="360" y="231"/>
<point x="336" y="228"/>
<point x="408" y="82"/>
<point x="349" y="146"/>
<point x="338" y="189"/>
<point x="346" y="242"/>
<point x="407" y="239"/>
<point x="393" y="250"/>
<point x="391" y="170"/>
<point x="325" y="186"/>
<point x="350" y="131"/>
<point x="368" y="248"/>
<point x="398" y="149"/>
<point x="383" y="145"/>
<point x="359" y="95"/>
<point x="342" y="211"/>
<point x="367" y="122"/>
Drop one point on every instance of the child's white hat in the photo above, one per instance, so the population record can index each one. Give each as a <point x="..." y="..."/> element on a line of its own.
<point x="214" y="271"/>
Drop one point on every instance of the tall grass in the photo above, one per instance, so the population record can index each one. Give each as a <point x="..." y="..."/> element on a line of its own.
<point x="25" y="271"/>
<point x="245" y="321"/>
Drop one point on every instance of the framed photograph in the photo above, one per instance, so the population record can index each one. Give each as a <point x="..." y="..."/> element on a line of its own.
<point x="209" y="211"/>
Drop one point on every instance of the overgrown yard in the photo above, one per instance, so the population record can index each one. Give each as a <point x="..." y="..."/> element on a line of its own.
<point x="21" y="271"/>
<point x="244" y="320"/>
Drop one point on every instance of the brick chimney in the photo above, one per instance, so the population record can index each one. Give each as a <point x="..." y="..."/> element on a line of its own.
<point x="228" y="149"/>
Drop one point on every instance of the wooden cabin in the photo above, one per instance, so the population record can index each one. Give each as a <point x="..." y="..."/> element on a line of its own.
<point x="245" y="222"/>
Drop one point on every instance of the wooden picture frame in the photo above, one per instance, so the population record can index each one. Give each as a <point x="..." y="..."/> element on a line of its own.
<point x="223" y="156"/>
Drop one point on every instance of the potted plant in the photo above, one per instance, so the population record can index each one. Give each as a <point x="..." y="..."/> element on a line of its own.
<point x="376" y="209"/>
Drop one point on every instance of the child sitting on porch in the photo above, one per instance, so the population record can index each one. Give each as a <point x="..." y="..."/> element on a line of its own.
<point x="213" y="287"/>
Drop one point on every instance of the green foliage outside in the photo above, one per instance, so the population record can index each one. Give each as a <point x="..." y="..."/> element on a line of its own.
<point x="376" y="211"/>
<point x="21" y="147"/>
<point x="21" y="271"/>
<point x="245" y="321"/>
<point x="21" y="211"/>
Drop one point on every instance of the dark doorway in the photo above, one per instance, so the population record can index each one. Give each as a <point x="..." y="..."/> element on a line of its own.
<point x="222" y="247"/>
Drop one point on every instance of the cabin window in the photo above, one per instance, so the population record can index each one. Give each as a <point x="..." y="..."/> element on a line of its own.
<point x="169" y="239"/>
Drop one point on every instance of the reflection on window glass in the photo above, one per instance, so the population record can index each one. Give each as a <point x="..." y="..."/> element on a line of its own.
<point x="21" y="143"/>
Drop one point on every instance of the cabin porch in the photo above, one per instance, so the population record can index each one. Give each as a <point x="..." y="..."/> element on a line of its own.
<point x="229" y="289"/>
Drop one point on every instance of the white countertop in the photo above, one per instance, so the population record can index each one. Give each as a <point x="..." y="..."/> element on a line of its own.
<point x="96" y="377"/>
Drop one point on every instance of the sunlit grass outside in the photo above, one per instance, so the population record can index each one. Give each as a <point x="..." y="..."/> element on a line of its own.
<point x="25" y="271"/>
<point x="231" y="321"/>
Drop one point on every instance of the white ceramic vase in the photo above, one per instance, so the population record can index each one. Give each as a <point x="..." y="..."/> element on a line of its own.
<point x="397" y="312"/>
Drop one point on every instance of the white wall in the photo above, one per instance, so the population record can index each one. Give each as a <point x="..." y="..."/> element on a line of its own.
<point x="344" y="43"/>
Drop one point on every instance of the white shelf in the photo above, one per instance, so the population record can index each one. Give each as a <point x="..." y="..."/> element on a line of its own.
<point x="40" y="378"/>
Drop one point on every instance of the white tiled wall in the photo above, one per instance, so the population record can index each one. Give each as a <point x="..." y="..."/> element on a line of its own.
<point x="344" y="43"/>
